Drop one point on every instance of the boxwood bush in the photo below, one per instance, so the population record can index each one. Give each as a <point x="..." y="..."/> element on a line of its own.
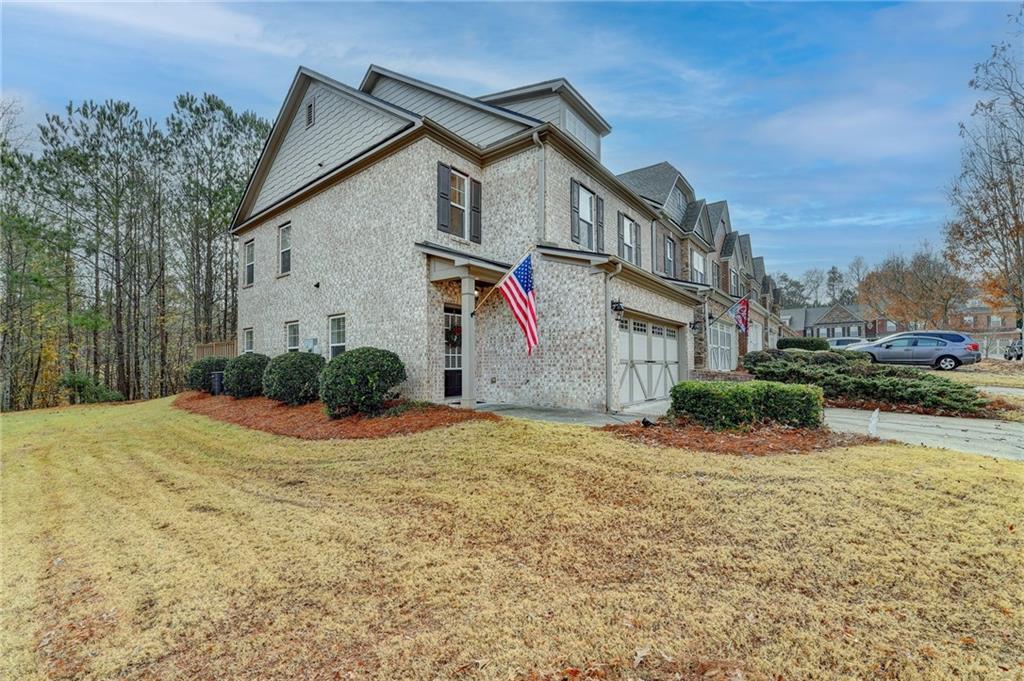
<point x="721" y="405"/>
<point x="243" y="375"/>
<point x="198" y="375"/>
<point x="293" y="377"/>
<point x="877" y="383"/>
<point x="360" y="381"/>
<point x="803" y="343"/>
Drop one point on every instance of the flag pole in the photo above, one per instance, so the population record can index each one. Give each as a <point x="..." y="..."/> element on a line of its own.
<point x="727" y="311"/>
<point x="503" y="278"/>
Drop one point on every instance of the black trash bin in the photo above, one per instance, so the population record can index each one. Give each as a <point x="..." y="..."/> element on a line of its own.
<point x="216" y="382"/>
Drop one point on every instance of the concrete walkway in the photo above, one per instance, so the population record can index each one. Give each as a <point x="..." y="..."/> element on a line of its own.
<point x="974" y="436"/>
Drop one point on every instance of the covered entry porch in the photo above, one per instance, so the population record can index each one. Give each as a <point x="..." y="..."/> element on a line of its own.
<point x="461" y="280"/>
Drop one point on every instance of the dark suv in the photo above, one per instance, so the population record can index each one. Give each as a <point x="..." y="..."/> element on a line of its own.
<point x="1014" y="350"/>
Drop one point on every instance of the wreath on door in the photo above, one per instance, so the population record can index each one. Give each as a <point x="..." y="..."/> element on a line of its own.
<point x="453" y="336"/>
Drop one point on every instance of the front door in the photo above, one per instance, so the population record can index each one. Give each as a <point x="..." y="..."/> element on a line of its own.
<point x="452" y="351"/>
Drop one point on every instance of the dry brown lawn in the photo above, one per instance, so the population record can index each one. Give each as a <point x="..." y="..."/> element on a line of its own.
<point x="996" y="372"/>
<point x="141" y="541"/>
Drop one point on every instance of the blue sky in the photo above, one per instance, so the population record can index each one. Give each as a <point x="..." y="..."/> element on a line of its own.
<point x="831" y="129"/>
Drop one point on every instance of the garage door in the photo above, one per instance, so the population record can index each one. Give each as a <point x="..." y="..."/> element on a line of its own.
<point x="648" y="360"/>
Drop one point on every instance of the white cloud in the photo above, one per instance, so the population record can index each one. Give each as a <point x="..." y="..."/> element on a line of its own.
<point x="192" y="22"/>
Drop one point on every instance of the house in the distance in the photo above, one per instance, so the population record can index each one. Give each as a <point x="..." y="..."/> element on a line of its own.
<point x="381" y="215"/>
<point x="839" y="320"/>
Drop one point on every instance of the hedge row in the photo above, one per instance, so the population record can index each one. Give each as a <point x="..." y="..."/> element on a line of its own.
<point x="357" y="381"/>
<point x="876" y="383"/>
<point x="720" y="404"/>
<point x="803" y="343"/>
<point x="833" y="357"/>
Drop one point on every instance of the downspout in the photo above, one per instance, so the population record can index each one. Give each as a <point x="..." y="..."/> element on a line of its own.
<point x="609" y="342"/>
<point x="541" y="186"/>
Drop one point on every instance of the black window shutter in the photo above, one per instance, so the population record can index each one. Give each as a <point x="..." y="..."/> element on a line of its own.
<point x="622" y="235"/>
<point x="636" y="243"/>
<point x="474" y="211"/>
<point x="599" y="218"/>
<point x="444" y="203"/>
<point x="574" y="220"/>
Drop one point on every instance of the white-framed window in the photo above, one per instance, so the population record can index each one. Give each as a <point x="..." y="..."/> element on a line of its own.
<point x="291" y="336"/>
<point x="248" y="262"/>
<point x="629" y="231"/>
<point x="968" y="320"/>
<point x="697" y="264"/>
<point x="459" y="197"/>
<point x="670" y="256"/>
<point x="586" y="218"/>
<point x="311" y="112"/>
<point x="995" y="321"/>
<point x="716" y="274"/>
<point x="890" y="325"/>
<point x="335" y="335"/>
<point x="247" y="340"/>
<point x="284" y="248"/>
<point x="734" y="283"/>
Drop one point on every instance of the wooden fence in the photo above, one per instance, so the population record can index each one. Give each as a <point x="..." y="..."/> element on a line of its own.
<point x="217" y="348"/>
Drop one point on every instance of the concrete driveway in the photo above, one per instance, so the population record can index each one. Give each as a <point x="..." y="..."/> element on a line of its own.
<point x="975" y="436"/>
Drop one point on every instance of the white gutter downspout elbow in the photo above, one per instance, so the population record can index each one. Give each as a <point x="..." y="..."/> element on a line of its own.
<point x="609" y="342"/>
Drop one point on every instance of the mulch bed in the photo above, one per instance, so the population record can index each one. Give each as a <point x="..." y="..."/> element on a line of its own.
<point x="756" y="441"/>
<point x="309" y="421"/>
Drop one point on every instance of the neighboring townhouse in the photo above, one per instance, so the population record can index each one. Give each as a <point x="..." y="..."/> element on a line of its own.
<point x="837" y="321"/>
<point x="993" y="328"/>
<point x="381" y="215"/>
<point x="714" y="262"/>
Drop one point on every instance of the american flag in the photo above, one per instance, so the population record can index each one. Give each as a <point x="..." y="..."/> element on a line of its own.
<point x="517" y="287"/>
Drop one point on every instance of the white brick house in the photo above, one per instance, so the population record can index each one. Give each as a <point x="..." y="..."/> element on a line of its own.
<point x="381" y="215"/>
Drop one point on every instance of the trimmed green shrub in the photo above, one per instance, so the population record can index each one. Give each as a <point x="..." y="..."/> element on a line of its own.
<point x="198" y="375"/>
<point x="243" y="375"/>
<point x="877" y="383"/>
<point x="360" y="381"/>
<point x="84" y="390"/>
<point x="801" y="406"/>
<point x="293" y="377"/>
<point x="755" y="357"/>
<point x="721" y="405"/>
<point x="803" y="343"/>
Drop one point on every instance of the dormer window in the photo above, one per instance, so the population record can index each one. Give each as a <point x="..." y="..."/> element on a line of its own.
<point x="311" y="112"/>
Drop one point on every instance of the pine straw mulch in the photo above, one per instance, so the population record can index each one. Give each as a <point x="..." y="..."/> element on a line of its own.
<point x="310" y="422"/>
<point x="761" y="440"/>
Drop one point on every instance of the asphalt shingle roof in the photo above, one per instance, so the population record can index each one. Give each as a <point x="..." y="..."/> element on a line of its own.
<point x="692" y="215"/>
<point x="652" y="182"/>
<point x="729" y="245"/>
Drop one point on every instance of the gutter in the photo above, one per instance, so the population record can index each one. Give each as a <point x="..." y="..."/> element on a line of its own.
<point x="609" y="369"/>
<point x="541" y="187"/>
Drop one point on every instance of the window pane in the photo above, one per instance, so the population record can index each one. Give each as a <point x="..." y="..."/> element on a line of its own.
<point x="286" y="261"/>
<point x="586" y="205"/>
<point x="337" y="330"/>
<point x="286" y="237"/>
<point x="458" y="219"/>
<point x="250" y="272"/>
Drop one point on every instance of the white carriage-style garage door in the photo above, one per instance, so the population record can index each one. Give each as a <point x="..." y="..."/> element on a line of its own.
<point x="648" y="360"/>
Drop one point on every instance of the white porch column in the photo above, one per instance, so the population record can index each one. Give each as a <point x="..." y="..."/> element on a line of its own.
<point x="468" y="343"/>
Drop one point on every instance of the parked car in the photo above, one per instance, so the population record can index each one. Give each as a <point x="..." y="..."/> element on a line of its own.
<point x="945" y="350"/>
<point x="844" y="341"/>
<point x="1014" y="350"/>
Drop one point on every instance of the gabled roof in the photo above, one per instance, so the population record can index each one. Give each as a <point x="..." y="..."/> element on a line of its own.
<point x="809" y="316"/>
<point x="693" y="211"/>
<point x="374" y="73"/>
<point x="716" y="211"/>
<point x="300" y="83"/>
<point x="729" y="245"/>
<point x="759" y="274"/>
<point x="652" y="182"/>
<point x="746" y="251"/>
<point x="558" y="86"/>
